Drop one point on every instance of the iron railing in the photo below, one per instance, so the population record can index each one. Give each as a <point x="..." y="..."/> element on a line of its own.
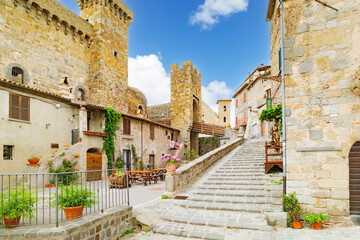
<point x="37" y="198"/>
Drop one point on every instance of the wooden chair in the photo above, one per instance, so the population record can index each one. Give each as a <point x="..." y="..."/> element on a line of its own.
<point x="276" y="145"/>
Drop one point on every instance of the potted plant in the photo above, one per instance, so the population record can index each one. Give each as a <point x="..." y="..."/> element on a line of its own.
<point x="15" y="203"/>
<point x="292" y="207"/>
<point x="170" y="162"/>
<point x="118" y="179"/>
<point x="73" y="199"/>
<point x="34" y="159"/>
<point x="315" y="220"/>
<point x="79" y="139"/>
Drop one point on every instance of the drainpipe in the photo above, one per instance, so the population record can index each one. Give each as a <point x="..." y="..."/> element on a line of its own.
<point x="283" y="94"/>
<point x="142" y="142"/>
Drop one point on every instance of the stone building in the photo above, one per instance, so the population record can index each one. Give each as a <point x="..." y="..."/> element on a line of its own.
<point x="322" y="65"/>
<point x="63" y="69"/>
<point x="224" y="112"/>
<point x="258" y="92"/>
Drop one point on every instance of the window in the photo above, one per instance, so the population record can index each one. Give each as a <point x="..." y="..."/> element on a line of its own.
<point x="19" y="107"/>
<point x="172" y="136"/>
<point x="115" y="53"/>
<point x="237" y="102"/>
<point x="244" y="96"/>
<point x="152" y="161"/>
<point x="224" y="119"/>
<point x="152" y="132"/>
<point x="17" y="75"/>
<point x="126" y="126"/>
<point x="8" y="152"/>
<point x="224" y="108"/>
<point x="81" y="94"/>
<point x="268" y="99"/>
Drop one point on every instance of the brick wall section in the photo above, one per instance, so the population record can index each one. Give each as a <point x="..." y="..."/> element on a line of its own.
<point x="108" y="225"/>
<point x="187" y="174"/>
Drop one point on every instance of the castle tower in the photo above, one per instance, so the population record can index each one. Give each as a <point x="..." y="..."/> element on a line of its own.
<point x="108" y="52"/>
<point x="224" y="112"/>
<point x="185" y="102"/>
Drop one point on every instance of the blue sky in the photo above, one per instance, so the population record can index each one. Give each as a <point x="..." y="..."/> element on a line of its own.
<point x="225" y="40"/>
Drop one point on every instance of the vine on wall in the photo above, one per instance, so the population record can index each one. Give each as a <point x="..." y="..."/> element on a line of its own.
<point x="112" y="118"/>
<point x="273" y="114"/>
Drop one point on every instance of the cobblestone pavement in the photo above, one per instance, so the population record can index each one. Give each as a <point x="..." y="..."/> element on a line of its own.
<point x="228" y="202"/>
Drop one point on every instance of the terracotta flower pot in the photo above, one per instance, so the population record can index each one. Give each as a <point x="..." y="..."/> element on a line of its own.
<point x="76" y="155"/>
<point x="170" y="167"/>
<point x="14" y="222"/>
<point x="50" y="185"/>
<point x="33" y="161"/>
<point x="79" y="139"/>
<point x="316" y="225"/>
<point x="297" y="225"/>
<point x="72" y="213"/>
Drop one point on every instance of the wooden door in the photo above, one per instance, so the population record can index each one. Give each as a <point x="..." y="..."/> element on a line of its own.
<point x="127" y="159"/>
<point x="262" y="129"/>
<point x="152" y="161"/>
<point x="94" y="162"/>
<point x="354" y="181"/>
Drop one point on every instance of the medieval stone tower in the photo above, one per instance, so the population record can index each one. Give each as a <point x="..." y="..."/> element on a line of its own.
<point x="185" y="102"/>
<point x="108" y="53"/>
<point x="224" y="112"/>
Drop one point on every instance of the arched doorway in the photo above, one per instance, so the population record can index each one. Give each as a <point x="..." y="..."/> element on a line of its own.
<point x="93" y="162"/>
<point x="354" y="178"/>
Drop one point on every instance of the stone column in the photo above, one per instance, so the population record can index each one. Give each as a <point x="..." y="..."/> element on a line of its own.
<point x="170" y="184"/>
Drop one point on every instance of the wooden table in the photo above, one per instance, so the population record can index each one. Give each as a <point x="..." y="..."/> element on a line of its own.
<point x="159" y="172"/>
<point x="143" y="176"/>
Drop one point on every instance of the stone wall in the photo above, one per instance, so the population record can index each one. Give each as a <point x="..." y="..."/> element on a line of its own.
<point x="323" y="113"/>
<point x="209" y="116"/>
<point x="108" y="225"/>
<point x="207" y="144"/>
<point x="187" y="174"/>
<point x="159" y="112"/>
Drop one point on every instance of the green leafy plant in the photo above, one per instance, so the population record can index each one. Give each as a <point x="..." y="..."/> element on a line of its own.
<point x="112" y="118"/>
<point x="268" y="190"/>
<point x="62" y="154"/>
<point x="147" y="230"/>
<point x="313" y="218"/>
<point x="277" y="182"/>
<point x="292" y="207"/>
<point x="127" y="232"/>
<point x="138" y="164"/>
<point x="191" y="155"/>
<point x="118" y="173"/>
<point x="14" y="201"/>
<point x="119" y="163"/>
<point x="272" y="114"/>
<point x="74" y="196"/>
<point x="68" y="167"/>
<point x="165" y="197"/>
<point x="34" y="157"/>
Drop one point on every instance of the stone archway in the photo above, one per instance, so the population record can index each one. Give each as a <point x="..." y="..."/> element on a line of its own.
<point x="354" y="178"/>
<point x="93" y="162"/>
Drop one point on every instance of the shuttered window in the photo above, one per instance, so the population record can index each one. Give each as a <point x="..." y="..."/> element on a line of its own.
<point x="126" y="126"/>
<point x="19" y="107"/>
<point x="152" y="132"/>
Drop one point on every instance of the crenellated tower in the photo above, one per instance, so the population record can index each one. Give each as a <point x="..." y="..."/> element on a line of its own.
<point x="185" y="103"/>
<point x="108" y="52"/>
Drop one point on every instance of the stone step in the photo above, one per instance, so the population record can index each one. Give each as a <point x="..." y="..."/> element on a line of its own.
<point x="210" y="231"/>
<point x="202" y="218"/>
<point x="237" y="178"/>
<point x="245" y="167"/>
<point x="234" y="182"/>
<point x="238" y="174"/>
<point x="233" y="187"/>
<point x="239" y="193"/>
<point x="240" y="171"/>
<point x="239" y="207"/>
<point x="227" y="199"/>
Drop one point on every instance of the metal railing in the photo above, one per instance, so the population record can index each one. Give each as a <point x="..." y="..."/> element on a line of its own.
<point x="38" y="198"/>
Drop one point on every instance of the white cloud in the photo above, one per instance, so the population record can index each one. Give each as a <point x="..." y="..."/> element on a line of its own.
<point x="209" y="13"/>
<point x="148" y="74"/>
<point x="215" y="91"/>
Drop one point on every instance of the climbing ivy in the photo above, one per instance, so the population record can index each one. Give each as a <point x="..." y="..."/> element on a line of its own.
<point x="112" y="118"/>
<point x="138" y="163"/>
<point x="273" y="114"/>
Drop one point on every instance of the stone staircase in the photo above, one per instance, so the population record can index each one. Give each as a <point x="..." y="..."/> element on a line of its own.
<point x="230" y="200"/>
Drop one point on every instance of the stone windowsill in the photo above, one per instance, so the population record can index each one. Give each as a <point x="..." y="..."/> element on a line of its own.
<point x="128" y="137"/>
<point x="18" y="120"/>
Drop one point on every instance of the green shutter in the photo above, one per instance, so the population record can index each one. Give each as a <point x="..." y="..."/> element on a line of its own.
<point x="280" y="59"/>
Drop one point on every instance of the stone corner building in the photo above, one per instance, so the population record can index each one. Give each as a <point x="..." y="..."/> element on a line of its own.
<point x="322" y="63"/>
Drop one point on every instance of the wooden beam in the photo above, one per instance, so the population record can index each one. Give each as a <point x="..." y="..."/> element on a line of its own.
<point x="326" y="5"/>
